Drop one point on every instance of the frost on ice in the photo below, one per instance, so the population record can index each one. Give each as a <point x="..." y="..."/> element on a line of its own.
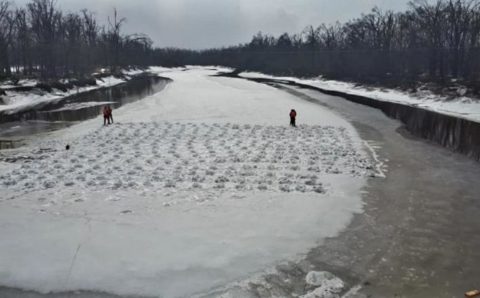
<point x="193" y="156"/>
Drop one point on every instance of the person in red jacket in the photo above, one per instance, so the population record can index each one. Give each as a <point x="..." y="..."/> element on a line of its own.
<point x="293" y="115"/>
<point x="110" y="115"/>
<point x="106" y="115"/>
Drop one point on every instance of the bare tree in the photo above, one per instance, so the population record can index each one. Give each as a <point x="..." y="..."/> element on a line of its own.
<point x="6" y="28"/>
<point x="40" y="40"/>
<point x="430" y="41"/>
<point x="431" y="19"/>
<point x="114" y="37"/>
<point x="90" y="33"/>
<point x="45" y="19"/>
<point x="23" y="39"/>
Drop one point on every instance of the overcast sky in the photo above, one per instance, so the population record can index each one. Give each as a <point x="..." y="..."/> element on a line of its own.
<point x="203" y="24"/>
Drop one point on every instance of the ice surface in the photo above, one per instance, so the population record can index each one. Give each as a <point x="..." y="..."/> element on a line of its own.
<point x="191" y="156"/>
<point x="192" y="188"/>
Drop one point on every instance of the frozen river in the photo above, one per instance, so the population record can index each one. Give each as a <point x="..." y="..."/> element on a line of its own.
<point x="203" y="190"/>
<point x="192" y="188"/>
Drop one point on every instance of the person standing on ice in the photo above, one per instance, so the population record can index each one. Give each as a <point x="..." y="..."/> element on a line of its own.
<point x="110" y="115"/>
<point x="106" y="115"/>
<point x="293" y="115"/>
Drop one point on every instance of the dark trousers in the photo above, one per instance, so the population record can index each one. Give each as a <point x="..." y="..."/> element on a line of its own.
<point x="292" y="121"/>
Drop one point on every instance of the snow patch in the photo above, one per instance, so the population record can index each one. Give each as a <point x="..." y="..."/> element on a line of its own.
<point x="17" y="100"/>
<point x="23" y="83"/>
<point x="108" y="82"/>
<point x="327" y="285"/>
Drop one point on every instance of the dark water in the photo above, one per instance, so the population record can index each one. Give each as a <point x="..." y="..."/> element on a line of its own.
<point x="64" y="112"/>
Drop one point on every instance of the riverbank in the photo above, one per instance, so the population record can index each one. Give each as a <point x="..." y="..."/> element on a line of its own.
<point x="24" y="94"/>
<point x="459" y="132"/>
<point x="56" y="114"/>
<point x="459" y="105"/>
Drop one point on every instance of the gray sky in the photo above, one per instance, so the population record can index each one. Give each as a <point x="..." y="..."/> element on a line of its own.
<point x="203" y="24"/>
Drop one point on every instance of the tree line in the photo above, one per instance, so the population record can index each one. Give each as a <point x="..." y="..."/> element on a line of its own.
<point x="430" y="41"/>
<point x="434" y="41"/>
<point x="41" y="40"/>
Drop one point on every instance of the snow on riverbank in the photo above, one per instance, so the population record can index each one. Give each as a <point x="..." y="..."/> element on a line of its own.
<point x="462" y="107"/>
<point x="15" y="100"/>
<point x="192" y="188"/>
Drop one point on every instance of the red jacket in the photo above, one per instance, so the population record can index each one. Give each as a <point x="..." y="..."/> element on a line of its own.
<point x="293" y="114"/>
<point x="107" y="111"/>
